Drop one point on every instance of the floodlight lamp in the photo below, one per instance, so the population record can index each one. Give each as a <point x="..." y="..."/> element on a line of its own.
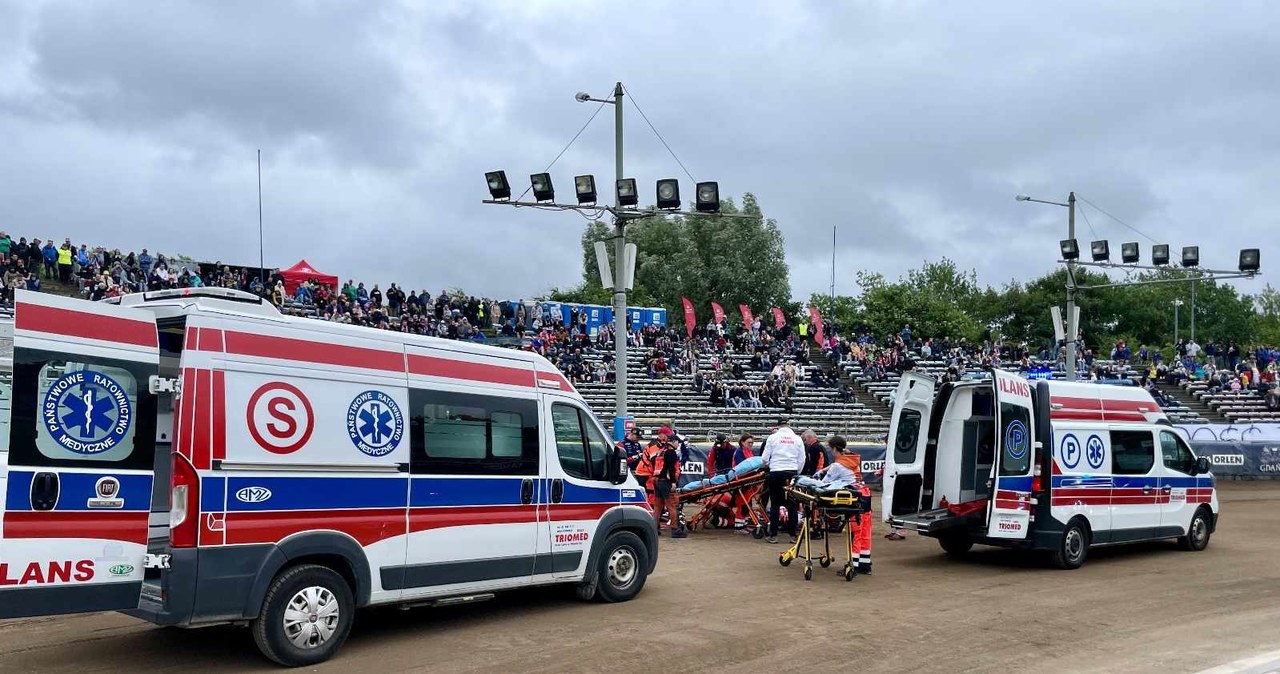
<point x="585" y="186"/>
<point x="627" y="194"/>
<point x="1249" y="260"/>
<point x="1129" y="252"/>
<point x="542" y="189"/>
<point x="1160" y="254"/>
<point x="1070" y="249"/>
<point x="499" y="188"/>
<point x="708" y="197"/>
<point x="669" y="194"/>
<point x="1191" y="256"/>
<point x="1100" y="250"/>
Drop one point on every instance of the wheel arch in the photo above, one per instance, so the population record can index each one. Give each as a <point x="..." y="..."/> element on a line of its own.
<point x="337" y="551"/>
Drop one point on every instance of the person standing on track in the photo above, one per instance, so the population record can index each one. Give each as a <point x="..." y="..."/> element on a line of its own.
<point x="666" y="476"/>
<point x="783" y="456"/>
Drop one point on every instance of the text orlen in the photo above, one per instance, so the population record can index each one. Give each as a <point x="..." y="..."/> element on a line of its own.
<point x="43" y="573"/>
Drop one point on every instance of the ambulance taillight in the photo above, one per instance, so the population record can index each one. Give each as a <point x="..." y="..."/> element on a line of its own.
<point x="183" y="504"/>
<point x="1037" y="482"/>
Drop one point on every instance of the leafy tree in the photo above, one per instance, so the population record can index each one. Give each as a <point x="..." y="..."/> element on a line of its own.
<point x="702" y="257"/>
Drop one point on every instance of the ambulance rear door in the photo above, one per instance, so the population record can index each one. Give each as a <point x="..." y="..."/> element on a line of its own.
<point x="908" y="438"/>
<point x="1009" y="511"/>
<point x="80" y="452"/>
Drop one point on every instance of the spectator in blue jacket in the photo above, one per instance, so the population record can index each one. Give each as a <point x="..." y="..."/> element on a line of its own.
<point x="50" y="253"/>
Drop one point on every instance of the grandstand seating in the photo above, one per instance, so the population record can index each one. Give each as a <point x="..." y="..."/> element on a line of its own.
<point x="1233" y="406"/>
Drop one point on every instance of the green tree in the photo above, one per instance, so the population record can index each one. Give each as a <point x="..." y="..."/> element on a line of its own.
<point x="705" y="258"/>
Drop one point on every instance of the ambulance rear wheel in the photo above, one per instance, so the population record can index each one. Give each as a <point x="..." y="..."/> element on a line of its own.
<point x="1197" y="537"/>
<point x="306" y="616"/>
<point x="622" y="567"/>
<point x="1073" y="549"/>
<point x="956" y="545"/>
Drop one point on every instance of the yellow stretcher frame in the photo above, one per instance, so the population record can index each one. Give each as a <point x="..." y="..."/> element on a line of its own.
<point x="842" y="506"/>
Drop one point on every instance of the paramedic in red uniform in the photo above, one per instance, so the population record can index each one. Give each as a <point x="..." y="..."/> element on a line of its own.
<point x="783" y="458"/>
<point x="666" y="475"/>
<point x="644" y="468"/>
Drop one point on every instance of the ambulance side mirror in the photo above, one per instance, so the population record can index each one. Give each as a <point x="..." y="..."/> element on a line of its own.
<point x="617" y="467"/>
<point x="1202" y="466"/>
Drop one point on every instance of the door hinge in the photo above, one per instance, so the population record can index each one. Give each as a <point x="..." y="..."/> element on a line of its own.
<point x="157" y="384"/>
<point x="156" y="562"/>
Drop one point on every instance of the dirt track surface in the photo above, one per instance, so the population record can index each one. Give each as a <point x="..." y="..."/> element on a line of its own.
<point x="721" y="602"/>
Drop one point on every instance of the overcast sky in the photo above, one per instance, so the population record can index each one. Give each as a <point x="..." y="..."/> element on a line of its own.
<point x="908" y="125"/>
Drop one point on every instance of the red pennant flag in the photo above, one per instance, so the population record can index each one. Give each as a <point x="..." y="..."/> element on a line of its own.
<point x="689" y="319"/>
<point x="778" y="319"/>
<point x="717" y="313"/>
<point x="747" y="318"/>
<point x="817" y="323"/>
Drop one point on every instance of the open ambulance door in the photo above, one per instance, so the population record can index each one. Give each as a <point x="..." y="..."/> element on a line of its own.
<point x="1009" y="511"/>
<point x="76" y="464"/>
<point x="908" y="437"/>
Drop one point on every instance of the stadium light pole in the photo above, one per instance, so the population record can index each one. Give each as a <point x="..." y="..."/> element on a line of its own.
<point x="1071" y="327"/>
<point x="625" y="208"/>
<point x="620" y="323"/>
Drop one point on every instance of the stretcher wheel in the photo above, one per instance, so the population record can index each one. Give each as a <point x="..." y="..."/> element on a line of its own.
<point x="824" y="561"/>
<point x="784" y="559"/>
<point x="808" y="572"/>
<point x="848" y="572"/>
<point x="757" y="533"/>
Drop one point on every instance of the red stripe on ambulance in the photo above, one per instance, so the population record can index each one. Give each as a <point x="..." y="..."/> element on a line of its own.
<point x="130" y="527"/>
<point x="68" y="323"/>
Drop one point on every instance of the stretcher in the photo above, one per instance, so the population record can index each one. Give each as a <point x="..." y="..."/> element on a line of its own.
<point x="738" y="492"/>
<point x="826" y="511"/>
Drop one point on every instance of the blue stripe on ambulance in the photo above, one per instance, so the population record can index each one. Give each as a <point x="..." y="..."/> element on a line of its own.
<point x="76" y="489"/>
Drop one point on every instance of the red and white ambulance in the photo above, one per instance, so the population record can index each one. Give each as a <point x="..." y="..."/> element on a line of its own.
<point x="194" y="457"/>
<point x="1050" y="465"/>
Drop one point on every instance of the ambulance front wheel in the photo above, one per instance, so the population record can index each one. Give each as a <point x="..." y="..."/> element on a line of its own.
<point x="621" y="569"/>
<point x="305" y="617"/>
<point x="1073" y="548"/>
<point x="1197" y="537"/>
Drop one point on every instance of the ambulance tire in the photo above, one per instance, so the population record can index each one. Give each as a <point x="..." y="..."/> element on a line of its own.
<point x="269" y="630"/>
<point x="956" y="545"/>
<point x="621" y="569"/>
<point x="1073" y="549"/>
<point x="1197" y="537"/>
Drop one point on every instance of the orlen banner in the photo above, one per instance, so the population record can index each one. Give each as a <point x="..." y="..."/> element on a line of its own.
<point x="778" y="319"/>
<point x="689" y="319"/>
<point x="293" y="419"/>
<point x="747" y="318"/>
<point x="717" y="313"/>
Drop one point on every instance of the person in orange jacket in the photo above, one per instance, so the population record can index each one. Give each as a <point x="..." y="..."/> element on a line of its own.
<point x="666" y="479"/>
<point x="862" y="531"/>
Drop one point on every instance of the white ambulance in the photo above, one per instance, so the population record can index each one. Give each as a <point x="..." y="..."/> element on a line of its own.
<point x="1045" y="465"/>
<point x="194" y="457"/>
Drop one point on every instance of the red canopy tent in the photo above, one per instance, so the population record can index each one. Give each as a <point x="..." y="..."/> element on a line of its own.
<point x="303" y="271"/>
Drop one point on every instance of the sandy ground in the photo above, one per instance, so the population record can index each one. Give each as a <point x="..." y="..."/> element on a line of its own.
<point x="719" y="601"/>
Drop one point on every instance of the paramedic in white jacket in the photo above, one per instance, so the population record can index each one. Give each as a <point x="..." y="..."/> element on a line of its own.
<point x="783" y="458"/>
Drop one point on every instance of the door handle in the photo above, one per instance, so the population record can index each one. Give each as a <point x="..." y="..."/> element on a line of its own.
<point x="526" y="491"/>
<point x="1146" y="489"/>
<point x="44" y="491"/>
<point x="557" y="490"/>
<point x="1166" y="489"/>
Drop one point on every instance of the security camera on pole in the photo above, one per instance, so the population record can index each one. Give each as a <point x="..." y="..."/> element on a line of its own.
<point x="625" y="208"/>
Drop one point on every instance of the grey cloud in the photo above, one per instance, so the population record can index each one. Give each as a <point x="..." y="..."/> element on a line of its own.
<point x="909" y="126"/>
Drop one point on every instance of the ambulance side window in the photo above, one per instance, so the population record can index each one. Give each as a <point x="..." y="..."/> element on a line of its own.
<point x="84" y="412"/>
<point x="904" y="444"/>
<point x="466" y="434"/>
<point x="582" y="450"/>
<point x="1132" y="452"/>
<point x="1176" y="455"/>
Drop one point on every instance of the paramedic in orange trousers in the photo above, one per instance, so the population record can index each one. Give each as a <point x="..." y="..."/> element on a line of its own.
<point x="862" y="530"/>
<point x="644" y="468"/>
<point x="666" y="476"/>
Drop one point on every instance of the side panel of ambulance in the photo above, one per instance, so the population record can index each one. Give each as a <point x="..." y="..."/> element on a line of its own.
<point x="78" y="457"/>
<point x="904" y="466"/>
